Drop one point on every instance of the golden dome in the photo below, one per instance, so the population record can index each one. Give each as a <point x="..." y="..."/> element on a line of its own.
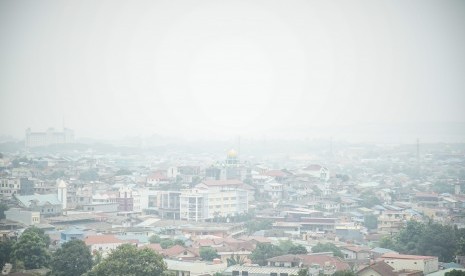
<point x="232" y="153"/>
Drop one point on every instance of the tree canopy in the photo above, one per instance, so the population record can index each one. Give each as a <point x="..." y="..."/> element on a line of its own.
<point x="208" y="253"/>
<point x="327" y="247"/>
<point x="254" y="226"/>
<point x="264" y="251"/>
<point x="128" y="260"/>
<point x="371" y="221"/>
<point x="3" y="208"/>
<point x="6" y="248"/>
<point x="431" y="239"/>
<point x="40" y="232"/>
<point x="30" y="251"/>
<point x="72" y="259"/>
<point x="455" y="272"/>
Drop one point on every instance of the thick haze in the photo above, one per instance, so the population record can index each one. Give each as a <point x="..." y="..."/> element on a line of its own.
<point x="216" y="69"/>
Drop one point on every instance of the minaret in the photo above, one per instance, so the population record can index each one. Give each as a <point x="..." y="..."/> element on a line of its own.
<point x="62" y="192"/>
<point x="457" y="187"/>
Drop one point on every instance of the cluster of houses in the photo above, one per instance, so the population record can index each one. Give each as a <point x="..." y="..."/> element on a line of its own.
<point x="109" y="200"/>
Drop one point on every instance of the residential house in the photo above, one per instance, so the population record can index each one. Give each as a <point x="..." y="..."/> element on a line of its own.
<point x="426" y="264"/>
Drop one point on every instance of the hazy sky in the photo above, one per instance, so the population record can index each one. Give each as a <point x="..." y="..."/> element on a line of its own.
<point x="228" y="68"/>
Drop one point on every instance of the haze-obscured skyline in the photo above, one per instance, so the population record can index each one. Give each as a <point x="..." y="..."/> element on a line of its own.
<point x="216" y="69"/>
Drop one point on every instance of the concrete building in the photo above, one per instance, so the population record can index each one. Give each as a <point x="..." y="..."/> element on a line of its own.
<point x="212" y="199"/>
<point x="426" y="264"/>
<point x="49" y="137"/>
<point x="23" y="216"/>
<point x="242" y="270"/>
<point x="16" y="186"/>
<point x="47" y="205"/>
<point x="71" y="234"/>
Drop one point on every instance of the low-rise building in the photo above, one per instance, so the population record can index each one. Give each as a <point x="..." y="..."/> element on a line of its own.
<point x="426" y="264"/>
<point x="23" y="216"/>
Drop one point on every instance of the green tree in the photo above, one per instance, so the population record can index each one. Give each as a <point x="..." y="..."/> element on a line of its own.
<point x="72" y="259"/>
<point x="431" y="239"/>
<point x="41" y="233"/>
<point x="179" y="242"/>
<point x="208" y="253"/>
<point x="327" y="247"/>
<point x="369" y="200"/>
<point x="264" y="251"/>
<point x="371" y="221"/>
<point x="123" y="172"/>
<point x="235" y="260"/>
<point x="387" y="242"/>
<point x="3" y="208"/>
<point x="30" y="250"/>
<point x="455" y="272"/>
<point x="297" y="249"/>
<point x="128" y="260"/>
<point x="254" y="226"/>
<point x="154" y="239"/>
<point x="166" y="243"/>
<point x="6" y="248"/>
<point x="285" y="245"/>
<point x="303" y="272"/>
<point x="344" y="273"/>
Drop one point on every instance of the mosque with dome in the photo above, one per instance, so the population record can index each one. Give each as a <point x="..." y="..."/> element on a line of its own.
<point x="231" y="168"/>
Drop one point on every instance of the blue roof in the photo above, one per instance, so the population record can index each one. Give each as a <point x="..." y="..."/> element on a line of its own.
<point x="40" y="200"/>
<point x="73" y="231"/>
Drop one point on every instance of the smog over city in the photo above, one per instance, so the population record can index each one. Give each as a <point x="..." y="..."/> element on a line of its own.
<point x="236" y="138"/>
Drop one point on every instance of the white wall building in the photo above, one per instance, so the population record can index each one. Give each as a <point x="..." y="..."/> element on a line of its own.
<point x="212" y="199"/>
<point x="62" y="192"/>
<point x="23" y="216"/>
<point x="426" y="264"/>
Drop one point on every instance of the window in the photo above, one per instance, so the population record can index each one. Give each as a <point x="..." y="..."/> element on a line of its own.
<point x="235" y="273"/>
<point x="273" y="274"/>
<point x="245" y="273"/>
<point x="282" y="274"/>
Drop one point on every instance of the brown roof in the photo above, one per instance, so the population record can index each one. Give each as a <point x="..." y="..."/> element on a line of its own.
<point x="405" y="257"/>
<point x="176" y="250"/>
<point x="308" y="260"/>
<point x="381" y="267"/>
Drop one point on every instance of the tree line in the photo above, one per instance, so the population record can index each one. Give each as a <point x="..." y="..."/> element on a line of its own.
<point x="73" y="258"/>
<point x="430" y="239"/>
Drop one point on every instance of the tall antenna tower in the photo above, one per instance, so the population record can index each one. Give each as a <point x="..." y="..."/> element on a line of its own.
<point x="418" y="156"/>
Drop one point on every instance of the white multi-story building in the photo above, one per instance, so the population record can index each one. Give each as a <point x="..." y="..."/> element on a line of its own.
<point x="212" y="199"/>
<point x="49" y="137"/>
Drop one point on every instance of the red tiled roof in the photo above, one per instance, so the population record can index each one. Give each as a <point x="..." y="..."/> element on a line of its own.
<point x="174" y="250"/>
